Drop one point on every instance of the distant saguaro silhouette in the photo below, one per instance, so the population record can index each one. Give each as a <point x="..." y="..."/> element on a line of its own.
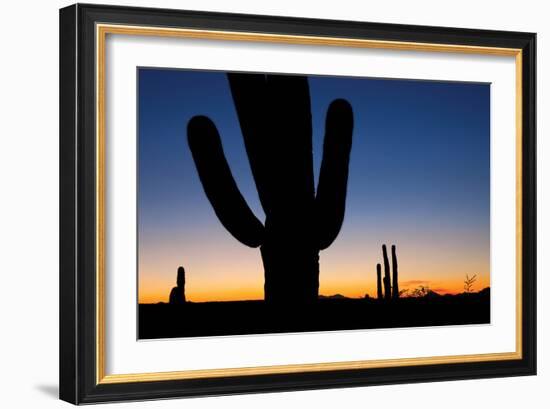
<point x="274" y="113"/>
<point x="391" y="289"/>
<point x="387" y="280"/>
<point x="395" y="286"/>
<point x="177" y="295"/>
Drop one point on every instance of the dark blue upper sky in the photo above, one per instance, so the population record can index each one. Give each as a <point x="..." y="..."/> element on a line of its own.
<point x="419" y="161"/>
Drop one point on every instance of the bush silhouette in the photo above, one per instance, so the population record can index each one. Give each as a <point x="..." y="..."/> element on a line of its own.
<point x="274" y="113"/>
<point x="469" y="283"/>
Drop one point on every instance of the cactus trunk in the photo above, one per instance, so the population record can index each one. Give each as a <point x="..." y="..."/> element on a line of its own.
<point x="291" y="261"/>
<point x="291" y="275"/>
<point x="395" y="287"/>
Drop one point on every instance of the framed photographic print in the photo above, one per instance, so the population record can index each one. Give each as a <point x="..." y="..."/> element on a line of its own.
<point x="257" y="203"/>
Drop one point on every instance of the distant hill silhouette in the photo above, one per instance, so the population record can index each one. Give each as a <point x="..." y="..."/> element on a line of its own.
<point x="335" y="296"/>
<point x="432" y="294"/>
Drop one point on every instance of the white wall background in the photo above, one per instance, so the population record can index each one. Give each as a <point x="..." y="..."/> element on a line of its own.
<point x="29" y="201"/>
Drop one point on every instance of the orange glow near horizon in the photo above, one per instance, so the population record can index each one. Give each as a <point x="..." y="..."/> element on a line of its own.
<point x="158" y="291"/>
<point x="231" y="271"/>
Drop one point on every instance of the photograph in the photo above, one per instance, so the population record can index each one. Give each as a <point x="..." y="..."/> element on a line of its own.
<point x="289" y="203"/>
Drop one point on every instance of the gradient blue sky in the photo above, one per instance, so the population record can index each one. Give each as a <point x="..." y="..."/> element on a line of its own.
<point x="418" y="178"/>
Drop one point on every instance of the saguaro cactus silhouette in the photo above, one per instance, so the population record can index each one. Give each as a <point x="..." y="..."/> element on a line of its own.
<point x="387" y="280"/>
<point x="395" y="279"/>
<point x="274" y="113"/>
<point x="177" y="295"/>
<point x="391" y="285"/>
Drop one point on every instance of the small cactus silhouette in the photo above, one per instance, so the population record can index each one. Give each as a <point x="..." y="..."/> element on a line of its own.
<point x="177" y="295"/>
<point x="274" y="113"/>
<point x="389" y="291"/>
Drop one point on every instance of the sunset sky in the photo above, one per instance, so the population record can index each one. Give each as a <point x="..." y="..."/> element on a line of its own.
<point x="418" y="178"/>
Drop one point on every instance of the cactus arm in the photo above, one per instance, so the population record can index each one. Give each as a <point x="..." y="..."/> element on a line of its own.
<point x="219" y="185"/>
<point x="330" y="200"/>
